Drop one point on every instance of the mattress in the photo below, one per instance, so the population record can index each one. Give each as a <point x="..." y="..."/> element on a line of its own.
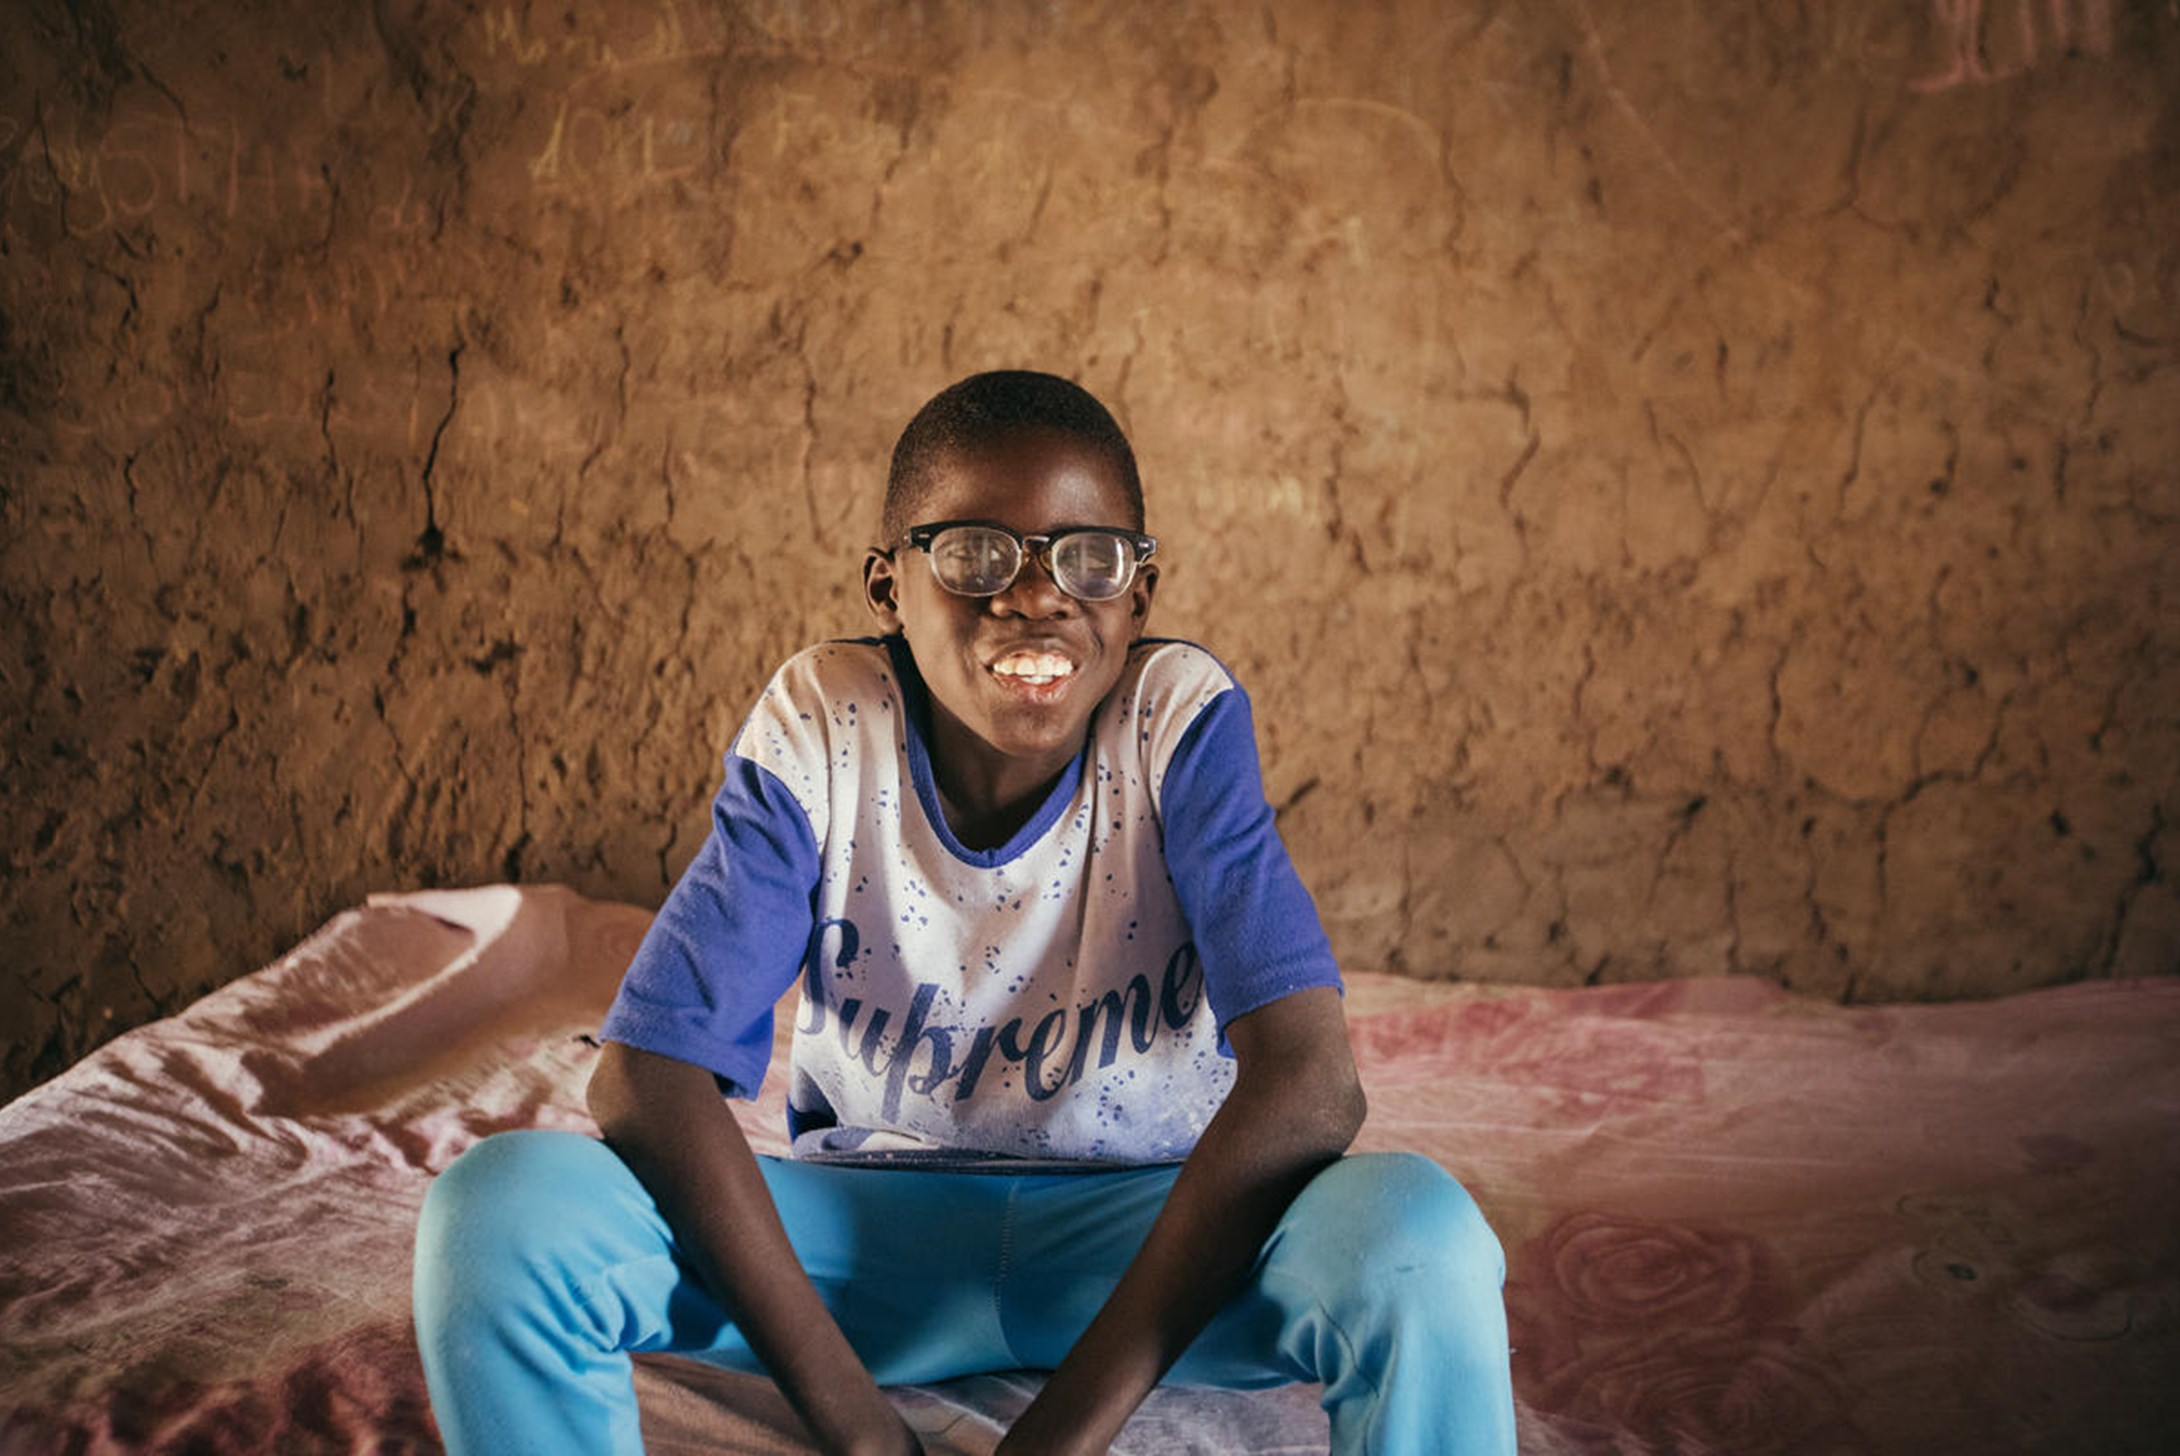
<point x="1736" y="1220"/>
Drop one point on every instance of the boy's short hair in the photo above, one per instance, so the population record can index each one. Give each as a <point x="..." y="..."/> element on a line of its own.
<point x="985" y="408"/>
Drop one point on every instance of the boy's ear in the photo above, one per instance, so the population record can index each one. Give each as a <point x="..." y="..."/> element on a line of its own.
<point x="880" y="586"/>
<point x="1140" y="593"/>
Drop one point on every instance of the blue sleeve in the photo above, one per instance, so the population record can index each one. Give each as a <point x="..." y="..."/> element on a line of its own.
<point x="729" y="940"/>
<point x="1255" y="926"/>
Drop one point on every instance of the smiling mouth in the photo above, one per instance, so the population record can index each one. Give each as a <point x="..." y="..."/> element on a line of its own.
<point x="1032" y="669"/>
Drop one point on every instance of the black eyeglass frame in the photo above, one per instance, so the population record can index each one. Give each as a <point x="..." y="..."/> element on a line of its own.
<point x="1040" y="546"/>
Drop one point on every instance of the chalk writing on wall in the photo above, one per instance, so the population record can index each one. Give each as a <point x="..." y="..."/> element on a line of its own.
<point x="623" y="111"/>
<point x="1980" y="42"/>
<point x="612" y="38"/>
<point x="618" y="148"/>
<point x="605" y="151"/>
<point x="143" y="162"/>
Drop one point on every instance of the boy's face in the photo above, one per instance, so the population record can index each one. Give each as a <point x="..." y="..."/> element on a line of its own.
<point x="991" y="726"/>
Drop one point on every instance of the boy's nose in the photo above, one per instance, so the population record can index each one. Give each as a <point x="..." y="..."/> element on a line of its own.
<point x="1033" y="592"/>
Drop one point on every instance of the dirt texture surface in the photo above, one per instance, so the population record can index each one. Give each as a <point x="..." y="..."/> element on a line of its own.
<point x="1690" y="489"/>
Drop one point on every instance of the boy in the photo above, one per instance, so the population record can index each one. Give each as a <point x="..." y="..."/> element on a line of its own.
<point x="1070" y="1080"/>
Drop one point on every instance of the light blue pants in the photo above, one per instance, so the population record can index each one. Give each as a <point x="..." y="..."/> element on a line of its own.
<point x="541" y="1264"/>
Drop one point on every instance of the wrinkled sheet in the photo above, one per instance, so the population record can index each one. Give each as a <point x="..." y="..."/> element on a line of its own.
<point x="1736" y="1221"/>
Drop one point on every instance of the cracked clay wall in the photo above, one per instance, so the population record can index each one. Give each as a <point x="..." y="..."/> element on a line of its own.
<point x="1691" y="487"/>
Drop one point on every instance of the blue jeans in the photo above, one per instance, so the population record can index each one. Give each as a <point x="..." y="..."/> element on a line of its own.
<point x="541" y="1264"/>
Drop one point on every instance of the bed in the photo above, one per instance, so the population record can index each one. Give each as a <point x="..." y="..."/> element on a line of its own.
<point x="1737" y="1221"/>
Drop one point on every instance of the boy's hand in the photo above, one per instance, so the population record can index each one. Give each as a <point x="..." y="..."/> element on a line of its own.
<point x="888" y="1444"/>
<point x="1296" y="1105"/>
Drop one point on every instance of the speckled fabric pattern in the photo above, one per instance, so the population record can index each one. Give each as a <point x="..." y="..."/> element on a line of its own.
<point x="1058" y="996"/>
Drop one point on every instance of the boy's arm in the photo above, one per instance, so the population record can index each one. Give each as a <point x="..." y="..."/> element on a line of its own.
<point x="668" y="1122"/>
<point x="1295" y="1106"/>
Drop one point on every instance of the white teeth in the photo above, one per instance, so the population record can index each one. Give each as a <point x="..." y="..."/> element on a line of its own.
<point x="1035" y="668"/>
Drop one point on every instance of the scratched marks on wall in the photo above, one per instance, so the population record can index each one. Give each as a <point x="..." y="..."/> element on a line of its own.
<point x="1920" y="46"/>
<point x="607" y="132"/>
<point x="617" y="105"/>
<point x="1986" y="41"/>
<point x="142" y="162"/>
<point x="596" y="111"/>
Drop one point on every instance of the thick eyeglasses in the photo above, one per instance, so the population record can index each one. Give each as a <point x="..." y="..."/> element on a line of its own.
<point x="976" y="559"/>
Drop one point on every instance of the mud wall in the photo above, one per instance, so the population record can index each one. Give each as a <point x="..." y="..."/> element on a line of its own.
<point x="1691" y="488"/>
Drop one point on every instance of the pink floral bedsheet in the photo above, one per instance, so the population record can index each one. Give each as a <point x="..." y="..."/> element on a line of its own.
<point x="1736" y="1221"/>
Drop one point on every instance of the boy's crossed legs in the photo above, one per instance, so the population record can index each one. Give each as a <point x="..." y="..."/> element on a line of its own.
<point x="542" y="1264"/>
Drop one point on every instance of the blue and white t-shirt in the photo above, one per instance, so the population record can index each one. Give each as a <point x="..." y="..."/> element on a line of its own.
<point x="1060" y="998"/>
